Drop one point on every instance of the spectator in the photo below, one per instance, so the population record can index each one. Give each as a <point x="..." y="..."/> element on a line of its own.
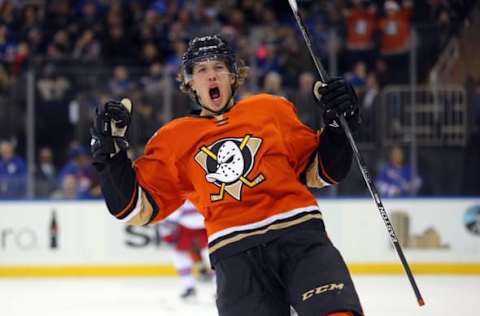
<point x="395" y="178"/>
<point x="8" y="13"/>
<point x="58" y="13"/>
<point x="382" y="72"/>
<point x="266" y="58"/>
<point x="149" y="120"/>
<point x="22" y="55"/>
<point x="53" y="90"/>
<point x="182" y="26"/>
<point x="396" y="38"/>
<point x="172" y="63"/>
<point x="117" y="47"/>
<point x="153" y="84"/>
<point x="68" y="189"/>
<point x="372" y="91"/>
<point x="272" y="84"/>
<point x="13" y="173"/>
<point x="444" y="26"/>
<point x="87" y="47"/>
<point x="45" y="173"/>
<point x="307" y="111"/>
<point x="7" y="45"/>
<point x="210" y="23"/>
<point x="88" y="18"/>
<point x="149" y="54"/>
<point x="293" y="58"/>
<point x="395" y="28"/>
<point x="36" y="42"/>
<point x="114" y="16"/>
<point x="358" y="78"/>
<point x="30" y="20"/>
<point x="158" y="6"/>
<point x="60" y="47"/>
<point x="52" y="86"/>
<point x="369" y="109"/>
<point x="236" y="20"/>
<point x="120" y="85"/>
<point x="80" y="166"/>
<point x="360" y="22"/>
<point x="5" y="81"/>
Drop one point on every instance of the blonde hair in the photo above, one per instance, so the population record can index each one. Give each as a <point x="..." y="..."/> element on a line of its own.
<point x="240" y="78"/>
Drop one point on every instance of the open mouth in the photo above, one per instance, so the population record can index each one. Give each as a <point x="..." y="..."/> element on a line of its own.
<point x="214" y="93"/>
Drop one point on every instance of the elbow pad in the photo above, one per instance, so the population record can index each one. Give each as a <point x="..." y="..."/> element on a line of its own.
<point x="119" y="187"/>
<point x="334" y="156"/>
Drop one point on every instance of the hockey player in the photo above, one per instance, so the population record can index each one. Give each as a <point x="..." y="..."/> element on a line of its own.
<point x="185" y="232"/>
<point x="246" y="166"/>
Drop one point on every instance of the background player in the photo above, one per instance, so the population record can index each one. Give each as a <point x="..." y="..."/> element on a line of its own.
<point x="245" y="165"/>
<point x="185" y="232"/>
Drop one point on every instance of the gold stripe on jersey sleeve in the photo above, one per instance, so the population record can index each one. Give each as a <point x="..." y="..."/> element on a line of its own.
<point x="312" y="175"/>
<point x="277" y="226"/>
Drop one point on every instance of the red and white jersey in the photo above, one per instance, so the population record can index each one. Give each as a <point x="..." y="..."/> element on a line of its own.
<point x="187" y="216"/>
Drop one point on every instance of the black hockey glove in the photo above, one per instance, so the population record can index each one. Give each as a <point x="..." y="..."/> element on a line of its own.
<point x="337" y="97"/>
<point x="109" y="132"/>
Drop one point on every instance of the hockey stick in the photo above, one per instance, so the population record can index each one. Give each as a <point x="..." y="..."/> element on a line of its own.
<point x="361" y="163"/>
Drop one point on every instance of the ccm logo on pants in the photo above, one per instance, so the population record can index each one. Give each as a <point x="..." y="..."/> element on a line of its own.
<point x="322" y="289"/>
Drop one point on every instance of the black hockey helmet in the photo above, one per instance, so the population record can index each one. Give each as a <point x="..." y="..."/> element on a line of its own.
<point x="208" y="47"/>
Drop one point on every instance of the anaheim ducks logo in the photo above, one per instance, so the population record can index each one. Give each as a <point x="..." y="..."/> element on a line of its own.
<point x="228" y="162"/>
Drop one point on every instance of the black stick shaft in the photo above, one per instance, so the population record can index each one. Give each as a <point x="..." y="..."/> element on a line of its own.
<point x="361" y="163"/>
<point x="381" y="209"/>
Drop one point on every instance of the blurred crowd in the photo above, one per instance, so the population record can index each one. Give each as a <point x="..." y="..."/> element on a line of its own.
<point x="87" y="51"/>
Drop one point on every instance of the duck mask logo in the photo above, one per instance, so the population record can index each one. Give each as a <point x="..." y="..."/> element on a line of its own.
<point x="227" y="164"/>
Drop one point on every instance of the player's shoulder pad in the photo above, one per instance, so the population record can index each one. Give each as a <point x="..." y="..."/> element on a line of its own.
<point x="168" y="131"/>
<point x="266" y="100"/>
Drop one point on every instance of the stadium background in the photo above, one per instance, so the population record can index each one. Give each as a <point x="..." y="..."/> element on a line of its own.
<point x="62" y="58"/>
<point x="420" y="90"/>
<point x="413" y="64"/>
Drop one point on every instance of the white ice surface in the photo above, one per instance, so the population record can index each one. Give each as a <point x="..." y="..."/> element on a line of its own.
<point x="380" y="296"/>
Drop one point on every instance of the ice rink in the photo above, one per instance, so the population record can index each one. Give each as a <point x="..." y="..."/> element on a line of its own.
<point x="380" y="296"/>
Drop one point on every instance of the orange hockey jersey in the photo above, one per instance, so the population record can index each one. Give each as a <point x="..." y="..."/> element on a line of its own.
<point x="242" y="171"/>
<point x="360" y="29"/>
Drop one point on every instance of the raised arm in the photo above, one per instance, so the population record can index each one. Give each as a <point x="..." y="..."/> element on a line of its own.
<point x="336" y="96"/>
<point x="125" y="199"/>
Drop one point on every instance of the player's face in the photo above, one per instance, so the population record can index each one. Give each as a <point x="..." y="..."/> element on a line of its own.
<point x="212" y="81"/>
<point x="396" y="156"/>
